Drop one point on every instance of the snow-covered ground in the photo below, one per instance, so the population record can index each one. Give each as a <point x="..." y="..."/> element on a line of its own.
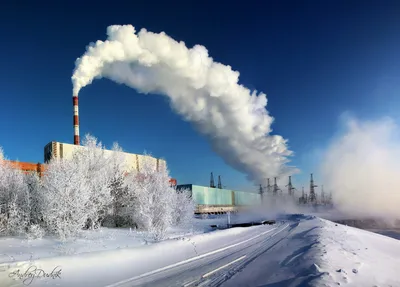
<point x="297" y="251"/>
<point x="358" y="257"/>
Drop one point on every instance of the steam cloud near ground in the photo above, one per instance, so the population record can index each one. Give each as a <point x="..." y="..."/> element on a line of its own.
<point x="203" y="92"/>
<point x="362" y="168"/>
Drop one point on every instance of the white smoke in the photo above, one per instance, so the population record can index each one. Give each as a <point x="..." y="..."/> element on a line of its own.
<point x="204" y="92"/>
<point x="362" y="168"/>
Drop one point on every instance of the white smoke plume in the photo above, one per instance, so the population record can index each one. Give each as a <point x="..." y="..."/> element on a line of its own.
<point x="203" y="92"/>
<point x="362" y="168"/>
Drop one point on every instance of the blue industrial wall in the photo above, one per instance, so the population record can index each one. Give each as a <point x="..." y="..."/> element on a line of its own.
<point x="215" y="196"/>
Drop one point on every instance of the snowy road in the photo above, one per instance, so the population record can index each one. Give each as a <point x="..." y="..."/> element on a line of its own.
<point x="302" y="251"/>
<point x="216" y="267"/>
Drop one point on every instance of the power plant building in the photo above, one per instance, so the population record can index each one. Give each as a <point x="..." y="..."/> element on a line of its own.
<point x="132" y="161"/>
<point x="217" y="197"/>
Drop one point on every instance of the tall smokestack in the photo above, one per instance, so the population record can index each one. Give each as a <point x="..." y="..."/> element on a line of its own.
<point x="76" y="120"/>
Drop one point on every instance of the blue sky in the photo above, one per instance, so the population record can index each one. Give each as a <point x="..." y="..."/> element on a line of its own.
<point x="315" y="60"/>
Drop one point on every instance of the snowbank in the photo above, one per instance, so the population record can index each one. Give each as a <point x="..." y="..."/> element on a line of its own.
<point x="313" y="252"/>
<point x="332" y="254"/>
<point x="356" y="257"/>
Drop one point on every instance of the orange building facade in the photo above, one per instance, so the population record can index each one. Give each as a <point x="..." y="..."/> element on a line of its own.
<point x="40" y="168"/>
<point x="27" y="167"/>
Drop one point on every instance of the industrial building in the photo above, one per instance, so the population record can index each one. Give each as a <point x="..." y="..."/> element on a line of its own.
<point x="28" y="167"/>
<point x="132" y="161"/>
<point x="218" y="200"/>
<point x="65" y="151"/>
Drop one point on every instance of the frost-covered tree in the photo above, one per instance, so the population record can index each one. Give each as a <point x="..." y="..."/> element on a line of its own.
<point x="184" y="208"/>
<point x="14" y="199"/>
<point x="32" y="181"/>
<point x="154" y="201"/>
<point x="152" y="205"/>
<point x="64" y="195"/>
<point x="76" y="193"/>
<point x="95" y="164"/>
<point x="117" y="172"/>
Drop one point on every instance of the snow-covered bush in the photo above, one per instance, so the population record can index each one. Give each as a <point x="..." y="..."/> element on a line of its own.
<point x="14" y="200"/>
<point x="154" y="204"/>
<point x="184" y="208"/>
<point x="81" y="188"/>
<point x="32" y="181"/>
<point x="152" y="198"/>
<point x="117" y="172"/>
<point x="94" y="163"/>
<point x="35" y="231"/>
<point x="91" y="187"/>
<point x="64" y="196"/>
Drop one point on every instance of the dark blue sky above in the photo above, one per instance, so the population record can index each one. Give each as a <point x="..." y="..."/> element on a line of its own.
<point x="313" y="59"/>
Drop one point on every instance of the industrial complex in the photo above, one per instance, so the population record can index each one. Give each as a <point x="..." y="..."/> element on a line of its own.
<point x="216" y="200"/>
<point x="64" y="150"/>
<point x="208" y="199"/>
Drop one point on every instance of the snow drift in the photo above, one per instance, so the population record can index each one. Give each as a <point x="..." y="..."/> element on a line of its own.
<point x="203" y="92"/>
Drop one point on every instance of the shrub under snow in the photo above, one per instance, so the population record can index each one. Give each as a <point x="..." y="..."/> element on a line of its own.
<point x="183" y="209"/>
<point x="14" y="200"/>
<point x="96" y="167"/>
<point x="77" y="192"/>
<point x="155" y="205"/>
<point x="33" y="183"/>
<point x="152" y="199"/>
<point x="35" y="231"/>
<point x="64" y="197"/>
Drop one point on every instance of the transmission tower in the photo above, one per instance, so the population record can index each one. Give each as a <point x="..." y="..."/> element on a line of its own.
<point x="268" y="186"/>
<point x="219" y="182"/>
<point x="313" y="197"/>
<point x="276" y="188"/>
<point x="302" y="199"/>
<point x="322" y="195"/>
<point x="290" y="187"/>
<point x="212" y="184"/>
<point x="329" y="200"/>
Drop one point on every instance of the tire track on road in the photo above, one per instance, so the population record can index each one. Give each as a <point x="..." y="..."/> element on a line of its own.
<point x="219" y="278"/>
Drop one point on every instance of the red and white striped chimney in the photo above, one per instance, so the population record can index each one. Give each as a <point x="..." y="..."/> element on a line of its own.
<point x="76" y="120"/>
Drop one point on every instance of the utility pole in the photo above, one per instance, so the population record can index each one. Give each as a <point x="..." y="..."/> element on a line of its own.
<point x="322" y="195"/>
<point x="212" y="184"/>
<point x="219" y="182"/>
<point x="313" y="197"/>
